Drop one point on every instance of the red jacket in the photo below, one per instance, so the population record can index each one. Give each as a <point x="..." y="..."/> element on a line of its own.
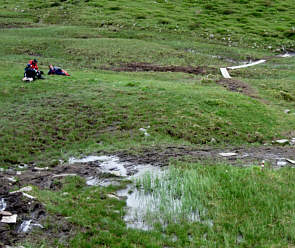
<point x="33" y="65"/>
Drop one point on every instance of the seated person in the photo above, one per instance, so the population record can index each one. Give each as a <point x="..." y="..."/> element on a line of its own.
<point x="32" y="71"/>
<point x="53" y="70"/>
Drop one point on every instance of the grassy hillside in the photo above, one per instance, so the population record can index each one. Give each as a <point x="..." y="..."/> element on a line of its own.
<point x="265" y="23"/>
<point x="107" y="47"/>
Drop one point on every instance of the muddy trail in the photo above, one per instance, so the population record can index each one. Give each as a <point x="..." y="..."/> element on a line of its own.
<point x="145" y="67"/>
<point x="105" y="170"/>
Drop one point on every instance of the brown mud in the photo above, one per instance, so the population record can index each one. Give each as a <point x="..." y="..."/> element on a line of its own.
<point x="140" y="66"/>
<point x="161" y="156"/>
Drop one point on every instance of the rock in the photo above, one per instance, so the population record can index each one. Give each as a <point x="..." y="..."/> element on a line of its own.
<point x="11" y="179"/>
<point x="228" y="154"/>
<point x="144" y="131"/>
<point x="113" y="196"/>
<point x="9" y="219"/>
<point x="281" y="163"/>
<point x="287" y="111"/>
<point x="24" y="189"/>
<point x="23" y="166"/>
<point x="28" y="196"/>
<point x="282" y="141"/>
<point x="5" y="213"/>
<point x="8" y="246"/>
<point x="64" y="175"/>
<point x="116" y="173"/>
<point x="41" y="169"/>
<point x="3" y="204"/>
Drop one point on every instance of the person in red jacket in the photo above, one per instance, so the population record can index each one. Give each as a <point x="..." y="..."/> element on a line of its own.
<point x="33" y="64"/>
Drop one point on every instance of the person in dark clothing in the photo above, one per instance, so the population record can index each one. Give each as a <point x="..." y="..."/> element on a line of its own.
<point x="32" y="71"/>
<point x="53" y="70"/>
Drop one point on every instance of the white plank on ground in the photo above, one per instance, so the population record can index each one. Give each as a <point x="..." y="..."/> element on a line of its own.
<point x="225" y="73"/>
<point x="247" y="65"/>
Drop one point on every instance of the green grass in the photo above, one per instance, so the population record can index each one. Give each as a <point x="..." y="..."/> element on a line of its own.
<point x="254" y="204"/>
<point x="48" y="118"/>
<point x="266" y="22"/>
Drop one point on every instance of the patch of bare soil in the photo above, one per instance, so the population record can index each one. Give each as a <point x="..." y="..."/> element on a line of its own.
<point x="241" y="87"/>
<point x="10" y="26"/>
<point x="139" y="66"/>
<point x="237" y="86"/>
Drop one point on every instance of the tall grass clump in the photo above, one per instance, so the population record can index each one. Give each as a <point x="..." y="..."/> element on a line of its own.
<point x="175" y="195"/>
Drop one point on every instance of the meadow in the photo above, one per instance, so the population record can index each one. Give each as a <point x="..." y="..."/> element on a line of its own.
<point x="100" y="109"/>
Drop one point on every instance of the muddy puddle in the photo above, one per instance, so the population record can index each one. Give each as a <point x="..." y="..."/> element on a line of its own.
<point x="144" y="208"/>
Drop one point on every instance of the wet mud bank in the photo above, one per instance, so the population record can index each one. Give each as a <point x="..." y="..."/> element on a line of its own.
<point x="145" y="67"/>
<point x="19" y="214"/>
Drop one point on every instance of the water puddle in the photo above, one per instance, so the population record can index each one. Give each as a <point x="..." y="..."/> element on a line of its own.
<point x="104" y="182"/>
<point x="153" y="198"/>
<point x="287" y="55"/>
<point x="107" y="164"/>
<point x="3" y="204"/>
